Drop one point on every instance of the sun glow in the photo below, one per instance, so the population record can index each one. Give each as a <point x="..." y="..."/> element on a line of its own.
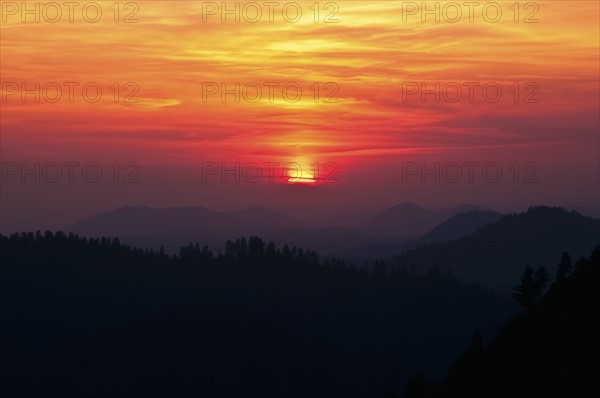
<point x="302" y="171"/>
<point x="302" y="180"/>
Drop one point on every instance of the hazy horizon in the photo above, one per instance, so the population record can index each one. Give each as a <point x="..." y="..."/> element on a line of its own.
<point x="179" y="103"/>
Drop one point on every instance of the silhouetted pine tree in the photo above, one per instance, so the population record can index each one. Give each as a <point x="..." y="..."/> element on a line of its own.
<point x="525" y="292"/>
<point x="564" y="267"/>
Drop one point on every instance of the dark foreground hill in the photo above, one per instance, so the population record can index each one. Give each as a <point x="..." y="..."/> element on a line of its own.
<point x="91" y="317"/>
<point x="549" y="350"/>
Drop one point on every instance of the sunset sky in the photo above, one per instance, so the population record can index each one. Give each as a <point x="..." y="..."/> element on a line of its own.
<point x="370" y="60"/>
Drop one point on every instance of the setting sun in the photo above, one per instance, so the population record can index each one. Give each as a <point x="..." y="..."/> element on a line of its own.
<point x="301" y="171"/>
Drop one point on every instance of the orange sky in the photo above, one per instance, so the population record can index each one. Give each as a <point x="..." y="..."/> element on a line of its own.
<point x="368" y="54"/>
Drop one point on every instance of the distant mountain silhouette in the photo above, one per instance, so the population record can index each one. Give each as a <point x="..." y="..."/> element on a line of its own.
<point x="261" y="216"/>
<point x="409" y="219"/>
<point x="496" y="253"/>
<point x="455" y="227"/>
<point x="386" y="235"/>
<point x="172" y="228"/>
<point x="144" y="221"/>
<point x="459" y="225"/>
